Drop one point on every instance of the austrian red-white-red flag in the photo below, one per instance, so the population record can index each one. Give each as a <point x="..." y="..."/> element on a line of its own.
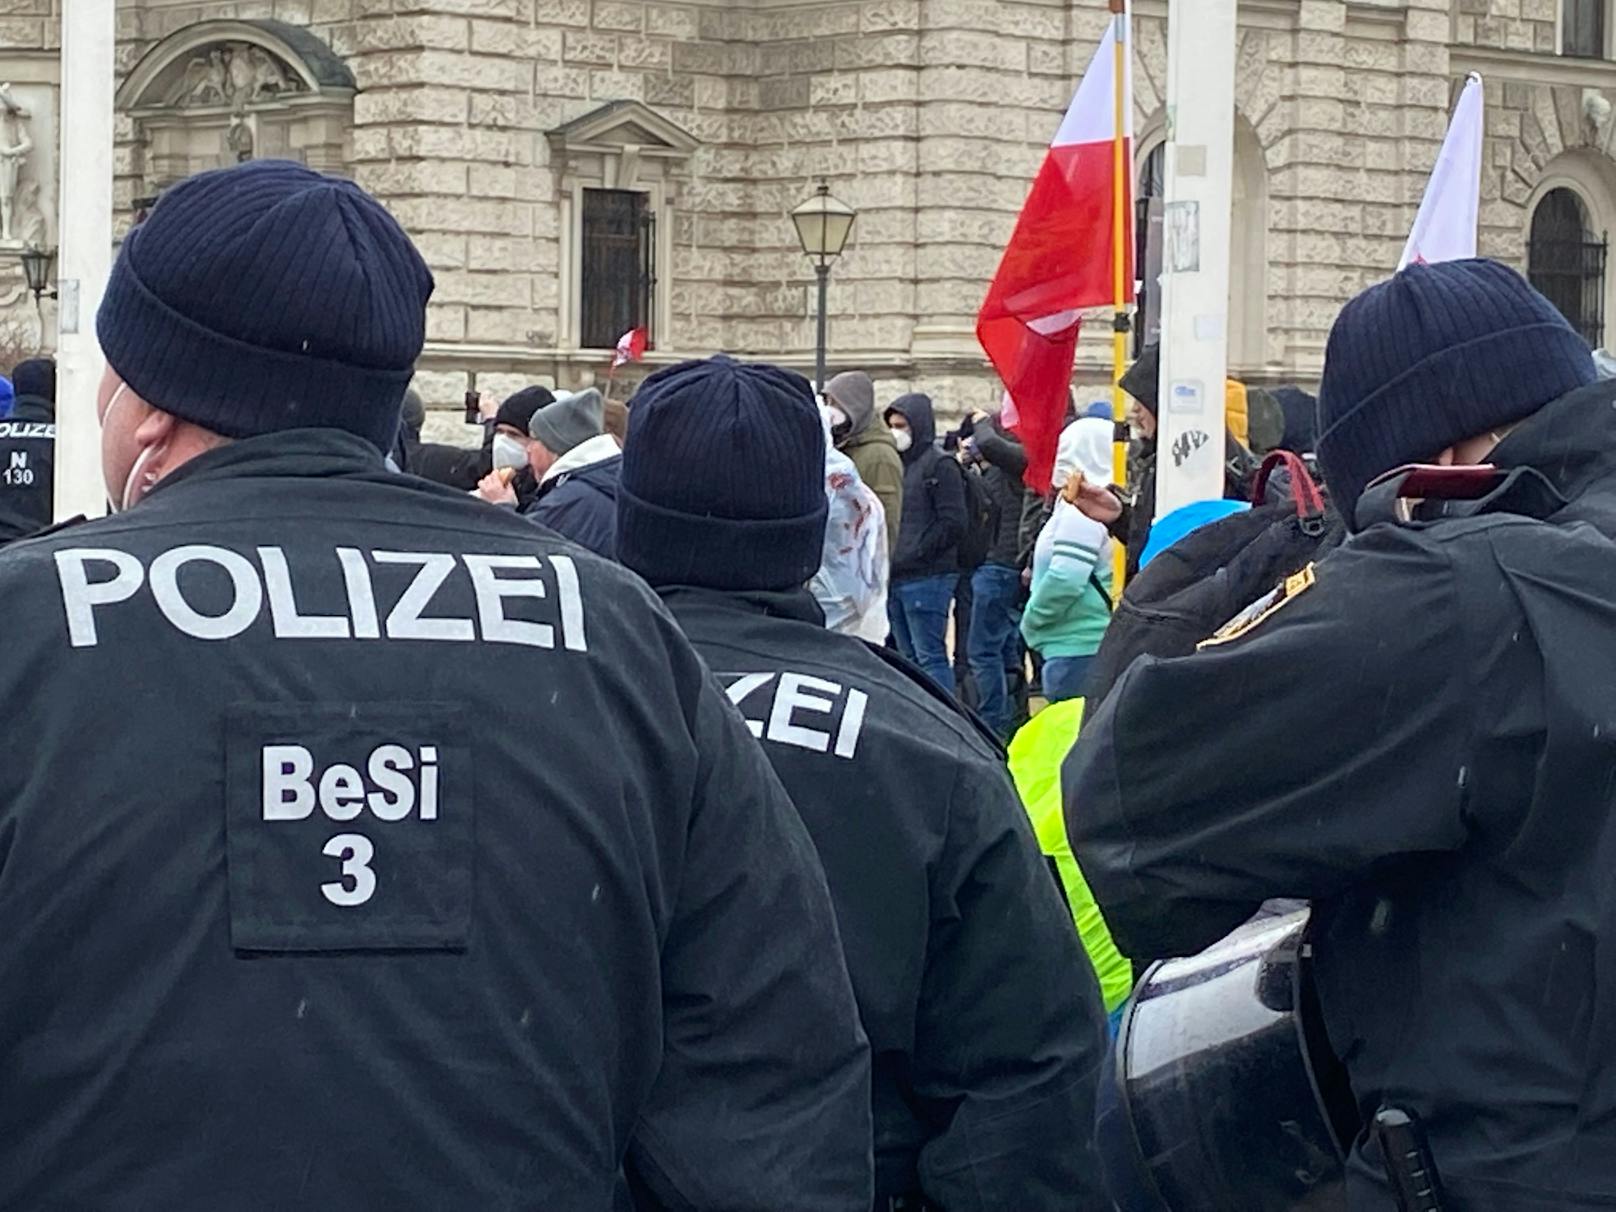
<point x="1445" y="228"/>
<point x="1060" y="258"/>
<point x="630" y="347"/>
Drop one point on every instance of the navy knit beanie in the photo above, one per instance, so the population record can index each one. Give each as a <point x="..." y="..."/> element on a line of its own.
<point x="266" y="297"/>
<point x="723" y="481"/>
<point x="1437" y="354"/>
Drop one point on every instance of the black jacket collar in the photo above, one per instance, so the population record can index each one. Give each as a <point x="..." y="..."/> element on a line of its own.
<point x="1572" y="442"/>
<point x="290" y="453"/>
<point x="795" y="604"/>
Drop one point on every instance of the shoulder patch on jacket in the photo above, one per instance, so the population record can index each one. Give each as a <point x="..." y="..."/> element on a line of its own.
<point x="1265" y="607"/>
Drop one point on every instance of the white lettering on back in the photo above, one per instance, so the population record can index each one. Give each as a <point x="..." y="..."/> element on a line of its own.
<point x="797" y="693"/>
<point x="80" y="596"/>
<point x="491" y="592"/>
<point x="244" y="606"/>
<point x="793" y="696"/>
<point x="404" y="621"/>
<point x="289" y="624"/>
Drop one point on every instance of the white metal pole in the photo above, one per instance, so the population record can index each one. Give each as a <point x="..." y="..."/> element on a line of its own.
<point x="1195" y="261"/>
<point x="89" y="33"/>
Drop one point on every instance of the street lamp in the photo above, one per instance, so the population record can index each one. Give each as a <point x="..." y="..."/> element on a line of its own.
<point x="37" y="264"/>
<point x="823" y="224"/>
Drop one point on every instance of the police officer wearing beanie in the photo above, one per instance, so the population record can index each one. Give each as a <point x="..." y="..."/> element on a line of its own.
<point x="28" y="451"/>
<point x="983" y="1015"/>
<point x="1445" y="683"/>
<point x="293" y="915"/>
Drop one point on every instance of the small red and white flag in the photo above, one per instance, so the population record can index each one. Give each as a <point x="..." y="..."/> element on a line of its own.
<point x="1060" y="258"/>
<point x="1445" y="228"/>
<point x="630" y="347"/>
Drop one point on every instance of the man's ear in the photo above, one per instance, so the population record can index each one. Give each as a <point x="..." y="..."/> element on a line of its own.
<point x="156" y="428"/>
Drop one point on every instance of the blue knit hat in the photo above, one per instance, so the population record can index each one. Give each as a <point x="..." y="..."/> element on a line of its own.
<point x="266" y="297"/>
<point x="723" y="481"/>
<point x="1437" y="354"/>
<point x="8" y="396"/>
<point x="1184" y="521"/>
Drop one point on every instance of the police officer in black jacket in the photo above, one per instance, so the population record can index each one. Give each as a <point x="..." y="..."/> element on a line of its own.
<point x="28" y="451"/>
<point x="982" y="1011"/>
<point x="296" y="913"/>
<point x="1418" y="733"/>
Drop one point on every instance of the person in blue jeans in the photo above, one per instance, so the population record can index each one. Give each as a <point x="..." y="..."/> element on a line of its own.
<point x="994" y="643"/>
<point x="925" y="566"/>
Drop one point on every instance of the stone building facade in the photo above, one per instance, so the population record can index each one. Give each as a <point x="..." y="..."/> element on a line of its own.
<point x="553" y="158"/>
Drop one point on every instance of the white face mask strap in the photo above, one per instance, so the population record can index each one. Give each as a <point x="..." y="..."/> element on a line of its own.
<point x="127" y="498"/>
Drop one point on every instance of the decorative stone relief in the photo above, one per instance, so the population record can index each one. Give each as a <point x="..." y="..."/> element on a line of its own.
<point x="236" y="74"/>
<point x="19" y="193"/>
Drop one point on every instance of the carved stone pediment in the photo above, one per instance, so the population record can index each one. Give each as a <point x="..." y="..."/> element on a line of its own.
<point x="233" y="66"/>
<point x="621" y="124"/>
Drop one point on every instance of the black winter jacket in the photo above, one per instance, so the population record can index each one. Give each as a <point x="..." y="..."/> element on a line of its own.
<point x="316" y="912"/>
<point x="1006" y="464"/>
<point x="934" y="516"/>
<point x="983" y="1015"/>
<point x="27" y="468"/>
<point x="1426" y="747"/>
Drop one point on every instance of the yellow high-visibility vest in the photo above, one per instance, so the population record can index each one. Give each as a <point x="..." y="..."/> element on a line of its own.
<point x="1036" y="753"/>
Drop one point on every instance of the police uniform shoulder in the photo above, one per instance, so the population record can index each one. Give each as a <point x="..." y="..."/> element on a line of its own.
<point x="929" y="698"/>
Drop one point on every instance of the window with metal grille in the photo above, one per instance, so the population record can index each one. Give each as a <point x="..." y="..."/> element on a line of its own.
<point x="618" y="278"/>
<point x="1566" y="262"/>
<point x="1582" y="28"/>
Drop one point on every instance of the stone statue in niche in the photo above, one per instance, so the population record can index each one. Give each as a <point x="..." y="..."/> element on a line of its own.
<point x="15" y="144"/>
<point x="234" y="74"/>
<point x="239" y="138"/>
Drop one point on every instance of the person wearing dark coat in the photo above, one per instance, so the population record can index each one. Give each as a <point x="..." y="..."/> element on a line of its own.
<point x="576" y="465"/>
<point x="1300" y="410"/>
<point x="983" y="1015"/>
<point x="503" y="450"/>
<point x="1442" y="688"/>
<point x="313" y="921"/>
<point x="925" y="566"/>
<point x="28" y="452"/>
<point x="994" y="639"/>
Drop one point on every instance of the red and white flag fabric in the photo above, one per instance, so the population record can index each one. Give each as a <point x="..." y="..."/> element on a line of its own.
<point x="630" y="347"/>
<point x="1445" y="228"/>
<point x="1060" y="258"/>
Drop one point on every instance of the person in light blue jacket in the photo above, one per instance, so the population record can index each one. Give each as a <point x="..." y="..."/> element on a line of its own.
<point x="1070" y="606"/>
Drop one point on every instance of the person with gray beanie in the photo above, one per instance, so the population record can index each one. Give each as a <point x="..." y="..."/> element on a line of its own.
<point x="860" y="435"/>
<point x="983" y="1015"/>
<point x="573" y="464"/>
<point x="1448" y="678"/>
<point x="311" y="914"/>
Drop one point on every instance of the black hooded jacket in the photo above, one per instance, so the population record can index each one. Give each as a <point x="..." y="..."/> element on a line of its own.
<point x="985" y="1025"/>
<point x="1426" y="748"/>
<point x="934" y="516"/>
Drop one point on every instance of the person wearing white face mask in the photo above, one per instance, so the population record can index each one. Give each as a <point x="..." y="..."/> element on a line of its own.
<point x="574" y="465"/>
<point x="511" y="481"/>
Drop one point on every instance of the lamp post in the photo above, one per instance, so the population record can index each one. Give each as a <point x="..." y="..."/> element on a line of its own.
<point x="38" y="265"/>
<point x="823" y="224"/>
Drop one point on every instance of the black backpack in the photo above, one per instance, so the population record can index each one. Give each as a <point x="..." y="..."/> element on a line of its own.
<point x="981" y="521"/>
<point x="1201" y="582"/>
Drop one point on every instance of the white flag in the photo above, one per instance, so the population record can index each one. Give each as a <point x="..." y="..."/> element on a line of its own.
<point x="1445" y="228"/>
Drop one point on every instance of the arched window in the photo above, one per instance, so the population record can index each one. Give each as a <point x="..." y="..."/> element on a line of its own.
<point x="1566" y="261"/>
<point x="1148" y="253"/>
<point x="1248" y="231"/>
